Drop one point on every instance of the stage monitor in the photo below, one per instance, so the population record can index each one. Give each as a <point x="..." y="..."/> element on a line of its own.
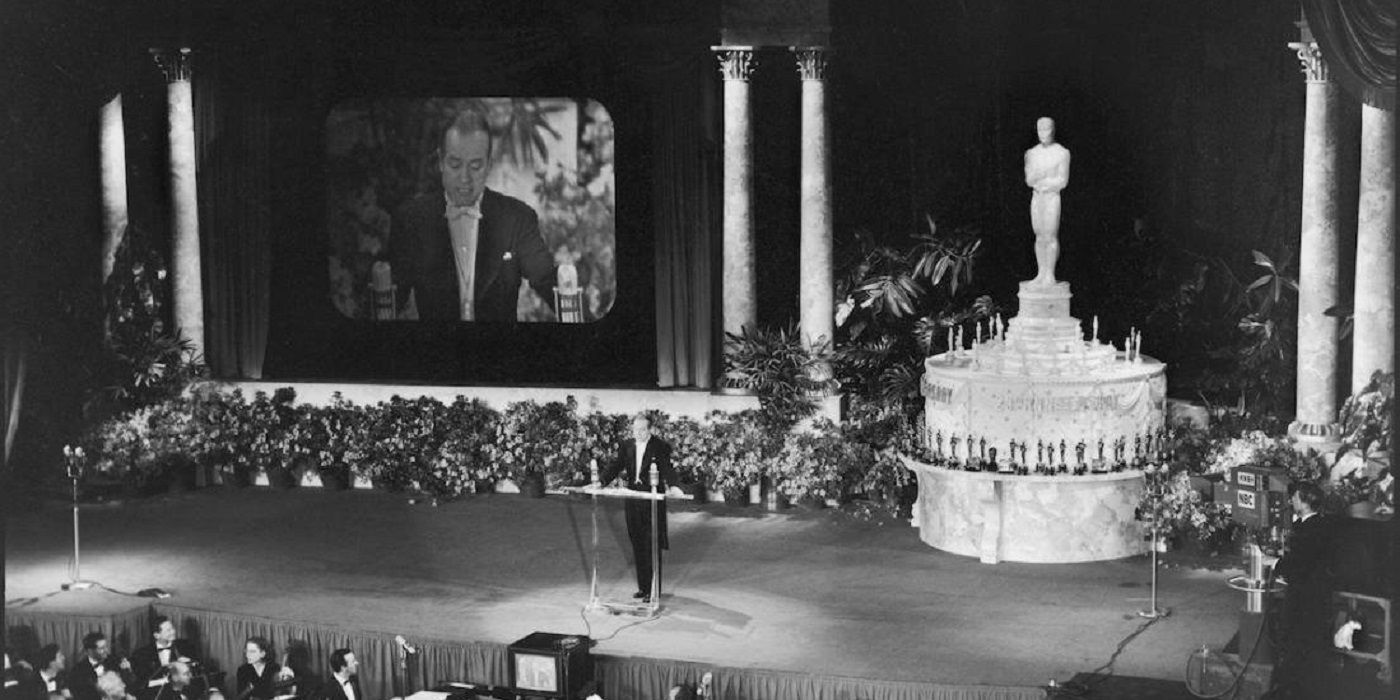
<point x="550" y="665"/>
<point x="471" y="209"/>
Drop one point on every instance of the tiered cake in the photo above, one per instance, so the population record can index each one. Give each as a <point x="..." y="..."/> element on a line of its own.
<point x="1038" y="383"/>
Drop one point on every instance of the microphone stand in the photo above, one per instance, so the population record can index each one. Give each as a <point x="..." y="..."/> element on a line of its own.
<point x="74" y="457"/>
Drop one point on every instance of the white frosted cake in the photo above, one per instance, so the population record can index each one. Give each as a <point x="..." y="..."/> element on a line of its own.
<point x="1039" y="383"/>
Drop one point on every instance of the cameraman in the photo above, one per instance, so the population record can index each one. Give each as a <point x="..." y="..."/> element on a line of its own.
<point x="1306" y="567"/>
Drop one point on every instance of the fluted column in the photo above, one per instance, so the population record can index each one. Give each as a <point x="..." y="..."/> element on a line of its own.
<point x="111" y="145"/>
<point x="816" y="305"/>
<point x="186" y="278"/>
<point x="1319" y="254"/>
<point x="740" y="290"/>
<point x="1373" y="334"/>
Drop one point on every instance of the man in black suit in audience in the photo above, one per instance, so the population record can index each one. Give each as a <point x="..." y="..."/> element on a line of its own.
<point x="149" y="662"/>
<point x="635" y="459"/>
<point x="49" y="678"/>
<point x="14" y="673"/>
<point x="344" y="683"/>
<point x="1306" y="568"/>
<point x="96" y="660"/>
<point x="177" y="686"/>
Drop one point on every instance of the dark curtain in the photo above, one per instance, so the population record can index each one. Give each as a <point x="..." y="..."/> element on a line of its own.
<point x="686" y="197"/>
<point x="231" y="141"/>
<point x="1357" y="38"/>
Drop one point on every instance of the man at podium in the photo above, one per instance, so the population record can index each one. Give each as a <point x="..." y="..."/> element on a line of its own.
<point x="636" y="460"/>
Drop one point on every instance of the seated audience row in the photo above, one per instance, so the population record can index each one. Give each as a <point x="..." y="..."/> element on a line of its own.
<point x="167" y="669"/>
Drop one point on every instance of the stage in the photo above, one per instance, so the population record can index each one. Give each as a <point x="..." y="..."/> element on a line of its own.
<point x="810" y="604"/>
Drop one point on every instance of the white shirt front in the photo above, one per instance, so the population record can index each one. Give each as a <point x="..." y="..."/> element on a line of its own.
<point x="347" y="686"/>
<point x="641" y="447"/>
<point x="464" y="244"/>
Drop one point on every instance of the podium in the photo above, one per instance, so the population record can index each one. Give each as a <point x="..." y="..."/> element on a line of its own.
<point x="652" y="606"/>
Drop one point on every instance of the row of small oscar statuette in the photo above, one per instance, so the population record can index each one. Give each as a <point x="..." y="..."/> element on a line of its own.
<point x="1148" y="449"/>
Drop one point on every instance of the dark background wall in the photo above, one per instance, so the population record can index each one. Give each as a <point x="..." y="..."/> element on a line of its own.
<point x="1184" y="117"/>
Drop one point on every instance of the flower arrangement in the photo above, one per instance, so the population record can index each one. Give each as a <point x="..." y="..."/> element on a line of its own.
<point x="463" y="459"/>
<point x="818" y="465"/>
<point x="1177" y="510"/>
<point x="541" y="441"/>
<point x="740" y="446"/>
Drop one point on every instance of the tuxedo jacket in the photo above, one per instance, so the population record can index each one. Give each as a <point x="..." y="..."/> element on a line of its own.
<point x="32" y="686"/>
<point x="1307" y="565"/>
<point x="509" y="249"/>
<point x="82" y="677"/>
<point x="145" y="662"/>
<point x="332" y="690"/>
<point x="658" y="452"/>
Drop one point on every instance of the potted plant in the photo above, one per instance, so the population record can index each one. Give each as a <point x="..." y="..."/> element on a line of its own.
<point x="741" y="445"/>
<point x="778" y="367"/>
<point x="819" y="465"/>
<point x="540" y="445"/>
<point x="463" y="458"/>
<point x="1366" y="425"/>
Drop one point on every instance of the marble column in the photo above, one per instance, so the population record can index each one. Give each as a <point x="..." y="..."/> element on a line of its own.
<point x="186" y="279"/>
<point x="740" y="290"/>
<point x="111" y="145"/>
<point x="1373" y="334"/>
<point x="816" y="306"/>
<point x="1319" y="255"/>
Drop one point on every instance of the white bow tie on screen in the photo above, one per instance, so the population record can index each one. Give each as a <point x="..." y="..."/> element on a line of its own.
<point x="459" y="212"/>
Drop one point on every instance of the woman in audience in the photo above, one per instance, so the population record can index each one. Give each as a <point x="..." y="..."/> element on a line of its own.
<point x="258" y="678"/>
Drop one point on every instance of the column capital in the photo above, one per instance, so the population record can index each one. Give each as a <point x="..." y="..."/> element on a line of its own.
<point x="811" y="61"/>
<point x="175" y="63"/>
<point x="735" y="62"/>
<point x="1314" y="67"/>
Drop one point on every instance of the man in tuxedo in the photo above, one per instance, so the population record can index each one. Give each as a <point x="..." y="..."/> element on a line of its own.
<point x="460" y="252"/>
<point x="635" y="459"/>
<point x="1306" y="568"/>
<point x="49" y="679"/>
<point x="149" y="662"/>
<point x="178" y="685"/>
<point x="344" y="683"/>
<point x="96" y="660"/>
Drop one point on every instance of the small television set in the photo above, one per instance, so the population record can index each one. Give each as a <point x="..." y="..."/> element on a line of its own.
<point x="550" y="665"/>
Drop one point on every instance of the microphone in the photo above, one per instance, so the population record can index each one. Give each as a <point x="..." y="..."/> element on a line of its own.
<point x="381" y="279"/>
<point x="566" y="278"/>
<point x="404" y="646"/>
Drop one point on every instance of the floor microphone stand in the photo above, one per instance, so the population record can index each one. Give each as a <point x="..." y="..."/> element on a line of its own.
<point x="77" y="583"/>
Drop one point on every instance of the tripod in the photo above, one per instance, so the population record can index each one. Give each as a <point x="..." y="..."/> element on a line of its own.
<point x="74" y="457"/>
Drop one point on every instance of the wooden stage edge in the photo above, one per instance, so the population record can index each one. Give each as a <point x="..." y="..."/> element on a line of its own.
<point x="695" y="403"/>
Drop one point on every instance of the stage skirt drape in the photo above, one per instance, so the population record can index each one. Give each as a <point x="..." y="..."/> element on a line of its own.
<point x="26" y="631"/>
<point x="220" y="638"/>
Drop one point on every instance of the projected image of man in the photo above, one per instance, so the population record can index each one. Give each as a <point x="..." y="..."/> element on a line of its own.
<point x="461" y="252"/>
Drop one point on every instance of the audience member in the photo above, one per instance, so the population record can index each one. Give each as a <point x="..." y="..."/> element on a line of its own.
<point x="344" y="683"/>
<point x="97" y="659"/>
<point x="14" y="675"/>
<point x="149" y="662"/>
<point x="49" y="677"/>
<point x="177" y="687"/>
<point x="258" y="677"/>
<point x="111" y="686"/>
<point x="1306" y="567"/>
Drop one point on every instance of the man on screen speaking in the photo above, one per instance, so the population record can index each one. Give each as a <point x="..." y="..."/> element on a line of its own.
<point x="459" y="253"/>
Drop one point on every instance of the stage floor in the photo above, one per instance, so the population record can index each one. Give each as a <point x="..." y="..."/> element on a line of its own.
<point x="806" y="591"/>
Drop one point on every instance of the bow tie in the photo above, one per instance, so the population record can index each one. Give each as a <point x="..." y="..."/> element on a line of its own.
<point x="454" y="212"/>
